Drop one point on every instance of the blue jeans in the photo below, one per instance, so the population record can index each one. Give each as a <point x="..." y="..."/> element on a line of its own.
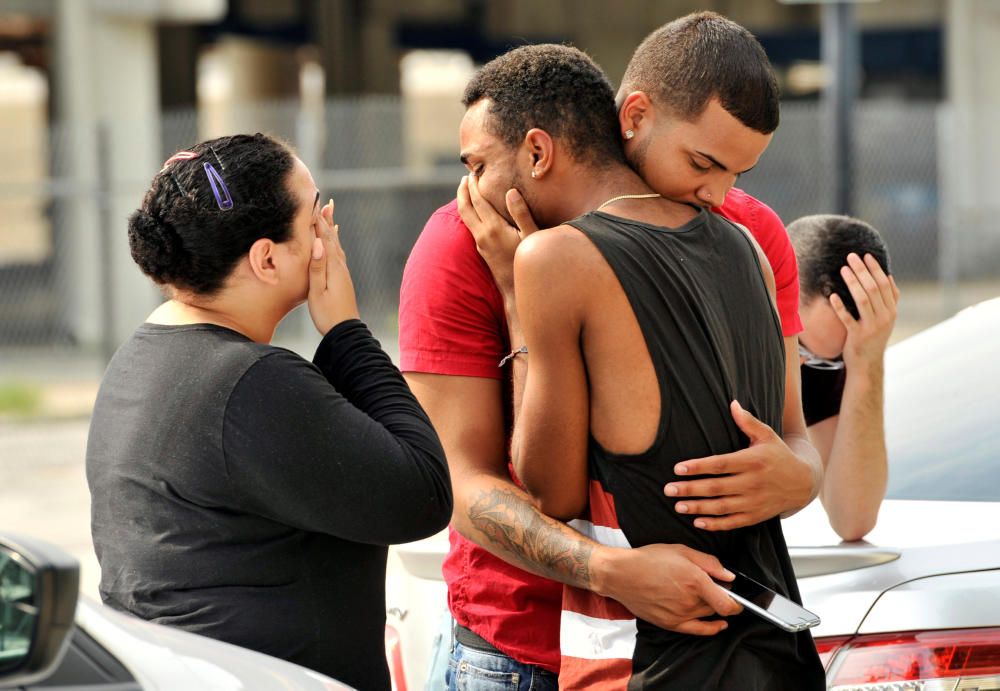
<point x="440" y="654"/>
<point x="475" y="670"/>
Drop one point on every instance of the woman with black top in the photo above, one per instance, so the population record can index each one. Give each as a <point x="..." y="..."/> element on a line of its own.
<point x="238" y="490"/>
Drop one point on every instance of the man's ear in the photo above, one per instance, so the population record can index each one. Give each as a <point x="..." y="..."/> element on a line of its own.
<point x="262" y="261"/>
<point x="635" y="112"/>
<point x="540" y="150"/>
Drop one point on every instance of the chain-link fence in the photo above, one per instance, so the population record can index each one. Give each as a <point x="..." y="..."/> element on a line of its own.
<point x="32" y="227"/>
<point x="354" y="150"/>
<point x="895" y="176"/>
<point x="357" y="152"/>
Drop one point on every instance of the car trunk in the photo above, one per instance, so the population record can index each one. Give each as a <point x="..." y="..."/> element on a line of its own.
<point x="841" y="582"/>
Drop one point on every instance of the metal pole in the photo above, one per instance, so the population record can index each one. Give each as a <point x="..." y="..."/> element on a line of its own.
<point x="839" y="44"/>
<point x="950" y="122"/>
<point x="106" y="272"/>
<point x="75" y="106"/>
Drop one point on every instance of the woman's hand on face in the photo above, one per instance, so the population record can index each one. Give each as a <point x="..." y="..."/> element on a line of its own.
<point x="331" y="291"/>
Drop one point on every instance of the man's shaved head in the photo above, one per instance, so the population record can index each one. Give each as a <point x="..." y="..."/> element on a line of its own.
<point x="684" y="64"/>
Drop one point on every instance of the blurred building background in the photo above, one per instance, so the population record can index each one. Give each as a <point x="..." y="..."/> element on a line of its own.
<point x="95" y="94"/>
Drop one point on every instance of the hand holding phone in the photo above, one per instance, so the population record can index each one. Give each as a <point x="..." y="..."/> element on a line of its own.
<point x="769" y="605"/>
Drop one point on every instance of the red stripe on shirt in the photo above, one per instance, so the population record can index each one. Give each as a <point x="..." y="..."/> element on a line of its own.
<point x="594" y="674"/>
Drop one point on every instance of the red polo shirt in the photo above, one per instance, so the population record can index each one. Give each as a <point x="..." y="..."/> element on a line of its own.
<point x="770" y="233"/>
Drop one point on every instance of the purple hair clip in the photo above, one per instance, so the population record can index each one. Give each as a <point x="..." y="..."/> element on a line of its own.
<point x="219" y="189"/>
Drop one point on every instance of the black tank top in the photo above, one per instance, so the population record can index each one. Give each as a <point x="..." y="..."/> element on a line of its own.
<point x="713" y="335"/>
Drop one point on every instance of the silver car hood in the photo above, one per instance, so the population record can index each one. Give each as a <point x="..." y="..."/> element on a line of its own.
<point x="161" y="657"/>
<point x="848" y="584"/>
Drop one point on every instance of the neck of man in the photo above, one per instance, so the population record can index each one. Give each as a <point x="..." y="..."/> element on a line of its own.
<point x="586" y="188"/>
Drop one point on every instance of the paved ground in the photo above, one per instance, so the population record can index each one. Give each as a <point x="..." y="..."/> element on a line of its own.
<point x="43" y="490"/>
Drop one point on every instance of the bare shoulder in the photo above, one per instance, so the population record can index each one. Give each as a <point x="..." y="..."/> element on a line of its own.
<point x="561" y="268"/>
<point x="562" y="247"/>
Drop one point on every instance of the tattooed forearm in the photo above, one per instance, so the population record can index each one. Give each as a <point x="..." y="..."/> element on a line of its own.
<point x="540" y="544"/>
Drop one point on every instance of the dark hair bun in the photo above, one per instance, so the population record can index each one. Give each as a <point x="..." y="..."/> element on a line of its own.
<point x="181" y="237"/>
<point x="155" y="246"/>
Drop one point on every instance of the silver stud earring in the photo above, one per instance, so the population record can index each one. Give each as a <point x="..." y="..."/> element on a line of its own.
<point x="534" y="173"/>
<point x="629" y="134"/>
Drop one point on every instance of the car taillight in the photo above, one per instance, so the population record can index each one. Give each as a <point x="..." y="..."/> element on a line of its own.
<point x="826" y="647"/>
<point x="938" y="660"/>
<point x="394" y="656"/>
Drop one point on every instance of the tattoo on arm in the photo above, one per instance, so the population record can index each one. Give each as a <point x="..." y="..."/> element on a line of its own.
<point x="539" y="543"/>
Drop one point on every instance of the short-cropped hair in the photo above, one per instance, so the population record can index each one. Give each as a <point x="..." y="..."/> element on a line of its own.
<point x="555" y="88"/>
<point x="688" y="62"/>
<point x="822" y="243"/>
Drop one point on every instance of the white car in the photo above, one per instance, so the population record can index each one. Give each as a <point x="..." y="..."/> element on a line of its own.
<point x="50" y="638"/>
<point x="916" y="605"/>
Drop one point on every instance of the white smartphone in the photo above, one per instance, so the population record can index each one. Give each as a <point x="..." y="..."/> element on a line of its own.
<point x="769" y="605"/>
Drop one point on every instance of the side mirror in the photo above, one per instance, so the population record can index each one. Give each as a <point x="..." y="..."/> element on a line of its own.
<point x="39" y="584"/>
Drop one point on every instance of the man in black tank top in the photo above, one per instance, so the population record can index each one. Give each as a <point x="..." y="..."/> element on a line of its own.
<point x="646" y="321"/>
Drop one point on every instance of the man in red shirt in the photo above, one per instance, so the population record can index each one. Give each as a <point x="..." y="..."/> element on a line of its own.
<point x="506" y="556"/>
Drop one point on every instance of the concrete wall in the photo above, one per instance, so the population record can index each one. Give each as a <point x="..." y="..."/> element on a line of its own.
<point x="970" y="139"/>
<point x="107" y="100"/>
<point x="24" y="232"/>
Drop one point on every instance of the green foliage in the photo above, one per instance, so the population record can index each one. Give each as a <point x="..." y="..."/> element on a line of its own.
<point x="21" y="400"/>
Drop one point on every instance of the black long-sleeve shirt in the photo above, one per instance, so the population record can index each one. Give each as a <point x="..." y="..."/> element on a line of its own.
<point x="243" y="493"/>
